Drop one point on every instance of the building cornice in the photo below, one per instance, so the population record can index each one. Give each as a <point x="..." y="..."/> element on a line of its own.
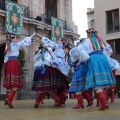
<point x="90" y="11"/>
<point x="40" y="23"/>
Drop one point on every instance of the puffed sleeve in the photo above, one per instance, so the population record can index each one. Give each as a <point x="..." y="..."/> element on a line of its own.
<point x="83" y="56"/>
<point x="86" y="46"/>
<point x="49" y="43"/>
<point x="77" y="54"/>
<point x="25" y="42"/>
<point x="6" y="58"/>
<point x="37" y="56"/>
<point x="114" y="64"/>
<point x="38" y="63"/>
<point x="108" y="50"/>
<point x="80" y="47"/>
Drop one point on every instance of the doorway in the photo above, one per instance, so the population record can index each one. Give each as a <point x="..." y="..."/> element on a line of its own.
<point x="2" y="48"/>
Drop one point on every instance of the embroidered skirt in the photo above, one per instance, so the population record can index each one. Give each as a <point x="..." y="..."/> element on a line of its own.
<point x="36" y="78"/>
<point x="78" y="78"/>
<point x="51" y="80"/>
<point x="12" y="76"/>
<point x="98" y="72"/>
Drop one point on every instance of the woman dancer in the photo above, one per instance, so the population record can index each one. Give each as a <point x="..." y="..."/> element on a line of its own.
<point x="79" y="58"/>
<point x="99" y="74"/>
<point x="52" y="80"/>
<point x="12" y="79"/>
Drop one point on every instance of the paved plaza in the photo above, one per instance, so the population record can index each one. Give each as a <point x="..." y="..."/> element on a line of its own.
<point x="24" y="111"/>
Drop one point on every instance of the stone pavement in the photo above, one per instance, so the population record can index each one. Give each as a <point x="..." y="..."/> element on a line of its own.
<point x="24" y="111"/>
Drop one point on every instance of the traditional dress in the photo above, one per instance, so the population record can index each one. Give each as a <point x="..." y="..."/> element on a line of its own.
<point x="79" y="58"/>
<point x="12" y="79"/>
<point x="52" y="79"/>
<point x="55" y="78"/>
<point x="39" y="68"/>
<point x="12" y="66"/>
<point x="79" y="75"/>
<point x="99" y="74"/>
<point x="58" y="61"/>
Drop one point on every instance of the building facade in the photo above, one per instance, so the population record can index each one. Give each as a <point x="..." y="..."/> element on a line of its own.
<point x="90" y="17"/>
<point x="61" y="9"/>
<point x="107" y="23"/>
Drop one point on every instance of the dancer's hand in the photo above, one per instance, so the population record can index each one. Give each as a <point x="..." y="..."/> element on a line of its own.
<point x="39" y="35"/>
<point x="34" y="34"/>
<point x="45" y="46"/>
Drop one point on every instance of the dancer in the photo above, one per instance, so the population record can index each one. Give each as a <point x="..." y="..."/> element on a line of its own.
<point x="99" y="74"/>
<point x="42" y="63"/>
<point x="79" y="58"/>
<point x="12" y="79"/>
<point x="40" y="69"/>
<point x="53" y="81"/>
<point x="58" y="61"/>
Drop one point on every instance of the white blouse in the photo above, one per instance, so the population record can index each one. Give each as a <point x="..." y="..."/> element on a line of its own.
<point x="76" y="53"/>
<point x="15" y="48"/>
<point x="113" y="63"/>
<point x="59" y="52"/>
<point x="108" y="50"/>
<point x="86" y="46"/>
<point x="38" y="59"/>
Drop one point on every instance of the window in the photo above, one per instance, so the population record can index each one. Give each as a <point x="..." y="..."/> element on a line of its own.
<point x="112" y="20"/>
<point x="27" y="12"/>
<point x="14" y="1"/>
<point x="2" y="3"/>
<point x="50" y="10"/>
<point x="117" y="46"/>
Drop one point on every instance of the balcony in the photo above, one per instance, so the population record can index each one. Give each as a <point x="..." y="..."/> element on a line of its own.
<point x="26" y="9"/>
<point x="47" y="19"/>
<point x="112" y="28"/>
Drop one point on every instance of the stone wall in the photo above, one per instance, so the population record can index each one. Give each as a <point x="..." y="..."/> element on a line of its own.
<point x="37" y="7"/>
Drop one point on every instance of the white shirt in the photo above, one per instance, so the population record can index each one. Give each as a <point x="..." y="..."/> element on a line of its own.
<point x="108" y="50"/>
<point x="86" y="46"/>
<point x="59" y="61"/>
<point x="76" y="53"/>
<point x="59" y="52"/>
<point x="37" y="60"/>
<point x="113" y="63"/>
<point x="15" y="48"/>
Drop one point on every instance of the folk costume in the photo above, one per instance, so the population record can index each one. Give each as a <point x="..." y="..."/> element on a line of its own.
<point x="79" y="58"/>
<point x="52" y="80"/>
<point x="99" y="74"/>
<point x="12" y="77"/>
<point x="58" y="61"/>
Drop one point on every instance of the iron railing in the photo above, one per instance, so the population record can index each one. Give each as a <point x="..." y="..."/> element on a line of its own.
<point x="47" y="19"/>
